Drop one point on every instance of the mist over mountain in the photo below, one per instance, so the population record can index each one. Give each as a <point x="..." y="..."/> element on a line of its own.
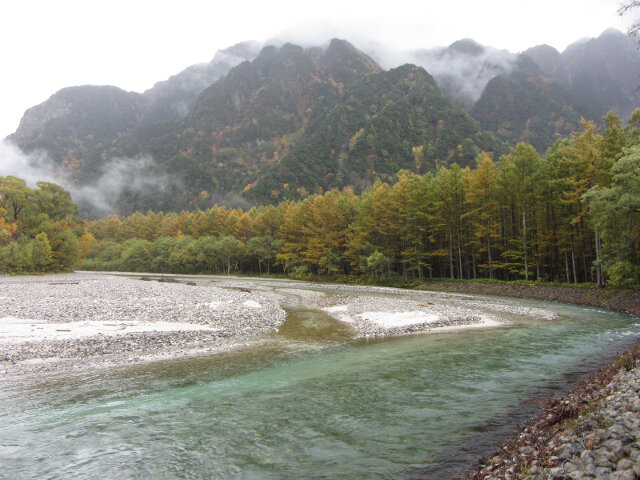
<point x="463" y="69"/>
<point x="173" y="99"/>
<point x="76" y="123"/>
<point x="602" y="73"/>
<point x="526" y="105"/>
<point x="263" y="124"/>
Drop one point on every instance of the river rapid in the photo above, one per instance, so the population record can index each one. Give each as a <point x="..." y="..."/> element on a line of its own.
<point x="308" y="402"/>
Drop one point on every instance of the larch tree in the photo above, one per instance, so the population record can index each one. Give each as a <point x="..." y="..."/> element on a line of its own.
<point x="520" y="167"/>
<point x="483" y="208"/>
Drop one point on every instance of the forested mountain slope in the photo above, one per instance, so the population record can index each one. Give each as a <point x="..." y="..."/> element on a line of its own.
<point x="279" y="123"/>
<point x="526" y="105"/>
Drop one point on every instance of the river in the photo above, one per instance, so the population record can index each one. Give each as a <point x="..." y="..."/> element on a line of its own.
<point x="307" y="403"/>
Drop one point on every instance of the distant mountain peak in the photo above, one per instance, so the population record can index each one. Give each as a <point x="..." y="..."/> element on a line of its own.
<point x="612" y="32"/>
<point x="335" y="43"/>
<point x="467" y="46"/>
<point x="172" y="99"/>
<point x="272" y="122"/>
<point x="544" y="48"/>
<point x="549" y="60"/>
<point x="463" y="69"/>
<point x="102" y="107"/>
<point x="243" y="49"/>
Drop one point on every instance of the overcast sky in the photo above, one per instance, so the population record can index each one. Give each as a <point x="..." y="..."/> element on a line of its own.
<point x="48" y="45"/>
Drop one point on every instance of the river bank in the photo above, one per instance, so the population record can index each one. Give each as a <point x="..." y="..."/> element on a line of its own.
<point x="80" y="320"/>
<point x="626" y="301"/>
<point x="593" y="432"/>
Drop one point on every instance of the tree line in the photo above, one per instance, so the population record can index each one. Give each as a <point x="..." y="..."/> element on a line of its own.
<point x="40" y="230"/>
<point x="571" y="215"/>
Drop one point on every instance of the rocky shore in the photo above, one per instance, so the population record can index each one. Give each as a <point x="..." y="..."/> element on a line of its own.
<point x="591" y="433"/>
<point x="382" y="316"/>
<point x="627" y="301"/>
<point x="373" y="311"/>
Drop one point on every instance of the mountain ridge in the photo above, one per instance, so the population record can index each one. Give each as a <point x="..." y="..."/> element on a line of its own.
<point x="319" y="117"/>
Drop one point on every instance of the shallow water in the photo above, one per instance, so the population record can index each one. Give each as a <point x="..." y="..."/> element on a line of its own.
<point x="306" y="403"/>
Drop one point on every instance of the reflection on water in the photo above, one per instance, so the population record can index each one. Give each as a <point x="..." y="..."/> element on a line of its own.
<point x="304" y="403"/>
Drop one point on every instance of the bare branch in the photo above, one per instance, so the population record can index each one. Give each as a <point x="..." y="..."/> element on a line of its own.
<point x="626" y="7"/>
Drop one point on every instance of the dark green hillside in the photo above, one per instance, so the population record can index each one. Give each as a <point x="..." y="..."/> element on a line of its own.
<point x="387" y="122"/>
<point x="245" y="123"/>
<point x="276" y="93"/>
<point x="526" y="105"/>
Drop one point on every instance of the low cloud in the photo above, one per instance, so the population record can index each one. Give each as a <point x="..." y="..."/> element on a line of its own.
<point x="31" y="168"/>
<point x="120" y="174"/>
<point x="101" y="196"/>
<point x="463" y="69"/>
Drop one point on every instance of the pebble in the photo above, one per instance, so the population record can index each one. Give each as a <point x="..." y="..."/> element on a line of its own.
<point x="353" y="308"/>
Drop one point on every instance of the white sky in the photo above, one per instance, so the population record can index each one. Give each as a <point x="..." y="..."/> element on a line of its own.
<point x="48" y="45"/>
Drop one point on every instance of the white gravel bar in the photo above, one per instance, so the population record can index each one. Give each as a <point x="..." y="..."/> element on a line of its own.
<point x="71" y="321"/>
<point x="374" y="316"/>
<point x="83" y="319"/>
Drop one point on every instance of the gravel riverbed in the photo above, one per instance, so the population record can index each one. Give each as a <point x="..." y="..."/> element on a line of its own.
<point x="57" y="322"/>
<point x="383" y="311"/>
<point x="72" y="321"/>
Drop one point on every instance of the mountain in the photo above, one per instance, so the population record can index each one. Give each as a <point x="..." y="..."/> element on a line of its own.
<point x="276" y="93"/>
<point x="545" y="93"/>
<point x="295" y="120"/>
<point x="550" y="61"/>
<point x="527" y="105"/>
<point x="78" y="126"/>
<point x="288" y="122"/>
<point x="77" y="123"/>
<point x="602" y="73"/>
<point x="174" y="98"/>
<point x="243" y="124"/>
<point x="386" y="122"/>
<point x="267" y="124"/>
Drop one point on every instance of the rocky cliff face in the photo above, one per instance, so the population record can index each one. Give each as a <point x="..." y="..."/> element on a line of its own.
<point x="34" y="120"/>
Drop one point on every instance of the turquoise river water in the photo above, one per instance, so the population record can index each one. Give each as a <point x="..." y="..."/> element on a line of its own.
<point x="307" y="404"/>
